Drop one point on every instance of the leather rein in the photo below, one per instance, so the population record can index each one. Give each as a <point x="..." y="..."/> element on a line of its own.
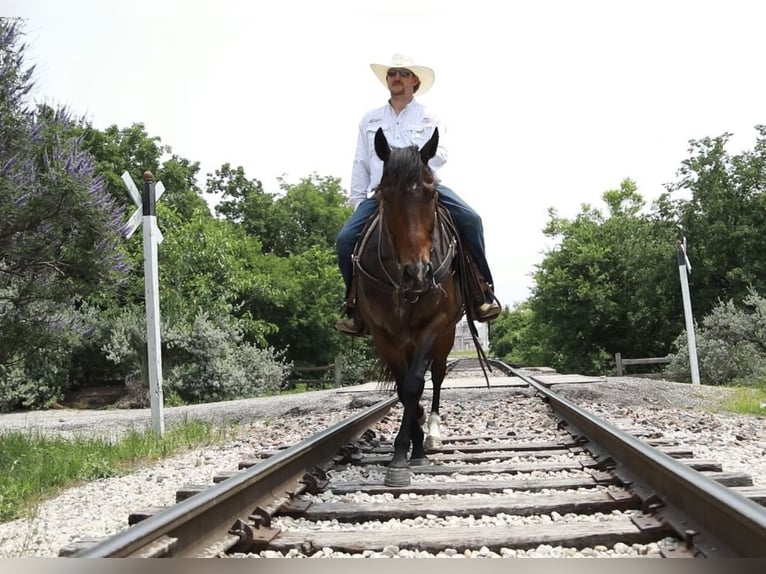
<point x="392" y="284"/>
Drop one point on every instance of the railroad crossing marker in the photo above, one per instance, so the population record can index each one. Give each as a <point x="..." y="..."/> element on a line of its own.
<point x="137" y="217"/>
<point x="685" y="268"/>
<point x="146" y="213"/>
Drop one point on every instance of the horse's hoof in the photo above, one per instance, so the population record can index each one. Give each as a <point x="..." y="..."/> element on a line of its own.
<point x="424" y="461"/>
<point x="433" y="443"/>
<point x="398" y="476"/>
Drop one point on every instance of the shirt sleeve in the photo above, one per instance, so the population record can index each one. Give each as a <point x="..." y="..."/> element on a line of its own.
<point x="441" y="151"/>
<point x="360" y="171"/>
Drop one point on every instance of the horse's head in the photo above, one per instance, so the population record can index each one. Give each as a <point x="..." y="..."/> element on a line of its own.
<point x="407" y="196"/>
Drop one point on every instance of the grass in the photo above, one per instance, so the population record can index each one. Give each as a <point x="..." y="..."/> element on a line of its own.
<point x="747" y="401"/>
<point x="37" y="467"/>
<point x="467" y="354"/>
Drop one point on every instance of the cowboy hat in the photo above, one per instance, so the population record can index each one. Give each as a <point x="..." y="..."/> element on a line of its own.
<point x="424" y="74"/>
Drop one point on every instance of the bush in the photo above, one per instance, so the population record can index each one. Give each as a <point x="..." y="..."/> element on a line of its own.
<point x="206" y="361"/>
<point x="34" y="384"/>
<point x="358" y="364"/>
<point x="40" y="376"/>
<point x="211" y="362"/>
<point x="731" y="345"/>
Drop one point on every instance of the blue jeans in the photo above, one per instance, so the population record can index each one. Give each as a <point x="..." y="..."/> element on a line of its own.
<point x="466" y="219"/>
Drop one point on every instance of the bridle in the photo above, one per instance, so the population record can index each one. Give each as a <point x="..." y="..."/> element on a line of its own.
<point x="389" y="283"/>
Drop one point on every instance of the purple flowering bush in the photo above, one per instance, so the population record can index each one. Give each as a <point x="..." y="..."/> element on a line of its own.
<point x="59" y="237"/>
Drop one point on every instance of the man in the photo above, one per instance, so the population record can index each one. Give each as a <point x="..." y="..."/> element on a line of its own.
<point x="405" y="122"/>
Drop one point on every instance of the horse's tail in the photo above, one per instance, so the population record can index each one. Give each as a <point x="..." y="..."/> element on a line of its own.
<point x="386" y="381"/>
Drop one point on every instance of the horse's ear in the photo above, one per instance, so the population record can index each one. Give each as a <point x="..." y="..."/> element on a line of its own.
<point x="429" y="150"/>
<point x="381" y="145"/>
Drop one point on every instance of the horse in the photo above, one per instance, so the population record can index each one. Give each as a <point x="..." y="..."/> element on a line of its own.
<point x="407" y="292"/>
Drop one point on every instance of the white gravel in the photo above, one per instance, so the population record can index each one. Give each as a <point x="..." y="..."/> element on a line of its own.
<point x="100" y="508"/>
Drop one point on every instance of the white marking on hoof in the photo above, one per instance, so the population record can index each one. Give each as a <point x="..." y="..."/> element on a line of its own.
<point x="434" y="438"/>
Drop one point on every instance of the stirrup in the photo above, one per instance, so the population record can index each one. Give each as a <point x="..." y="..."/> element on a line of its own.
<point x="349" y="326"/>
<point x="487" y="311"/>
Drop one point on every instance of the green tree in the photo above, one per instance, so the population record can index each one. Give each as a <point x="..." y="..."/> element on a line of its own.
<point x="304" y="294"/>
<point x="301" y="287"/>
<point x="131" y="149"/>
<point x="243" y="201"/>
<point x="718" y="203"/>
<point x="608" y="285"/>
<point x="308" y="214"/>
<point x="208" y="265"/>
<point x="511" y="338"/>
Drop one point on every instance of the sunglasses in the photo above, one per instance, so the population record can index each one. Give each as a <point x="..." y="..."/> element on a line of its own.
<point x="403" y="73"/>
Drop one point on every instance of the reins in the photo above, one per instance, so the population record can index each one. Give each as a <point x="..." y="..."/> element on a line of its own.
<point x="391" y="284"/>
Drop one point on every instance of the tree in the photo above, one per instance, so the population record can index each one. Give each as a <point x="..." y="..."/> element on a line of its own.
<point x="512" y="339"/>
<point x="720" y="206"/>
<point x="59" y="233"/>
<point x="131" y="149"/>
<point x="243" y="201"/>
<point x="207" y="266"/>
<point x="301" y="287"/>
<point x="607" y="287"/>
<point x="308" y="214"/>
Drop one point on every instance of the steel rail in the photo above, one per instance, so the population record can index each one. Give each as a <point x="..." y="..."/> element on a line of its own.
<point x="715" y="520"/>
<point x="191" y="525"/>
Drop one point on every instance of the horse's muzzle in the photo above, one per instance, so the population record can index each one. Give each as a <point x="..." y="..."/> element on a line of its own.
<point x="417" y="277"/>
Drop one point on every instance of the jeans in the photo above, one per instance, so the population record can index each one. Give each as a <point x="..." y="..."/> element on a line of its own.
<point x="466" y="219"/>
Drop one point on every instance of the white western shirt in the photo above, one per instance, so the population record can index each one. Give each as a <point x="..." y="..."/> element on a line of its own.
<point x="413" y="126"/>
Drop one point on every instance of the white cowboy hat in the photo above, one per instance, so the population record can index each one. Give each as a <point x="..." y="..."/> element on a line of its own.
<point x="424" y="74"/>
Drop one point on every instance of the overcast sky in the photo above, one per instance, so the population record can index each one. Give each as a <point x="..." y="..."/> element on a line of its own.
<point x="546" y="103"/>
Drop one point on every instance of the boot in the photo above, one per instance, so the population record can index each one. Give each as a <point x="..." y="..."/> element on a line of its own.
<point x="490" y="309"/>
<point x="350" y="324"/>
<point x="487" y="311"/>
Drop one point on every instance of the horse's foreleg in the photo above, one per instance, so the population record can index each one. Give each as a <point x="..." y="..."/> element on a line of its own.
<point x="438" y="371"/>
<point x="418" y="457"/>
<point x="398" y="472"/>
<point x="434" y="437"/>
<point x="410" y="432"/>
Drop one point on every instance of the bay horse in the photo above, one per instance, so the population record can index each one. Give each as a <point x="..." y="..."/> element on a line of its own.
<point x="407" y="293"/>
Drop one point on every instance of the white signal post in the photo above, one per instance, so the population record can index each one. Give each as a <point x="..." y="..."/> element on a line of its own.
<point x="146" y="213"/>
<point x="684" y="268"/>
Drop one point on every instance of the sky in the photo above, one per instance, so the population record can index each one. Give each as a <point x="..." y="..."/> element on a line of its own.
<point x="546" y="103"/>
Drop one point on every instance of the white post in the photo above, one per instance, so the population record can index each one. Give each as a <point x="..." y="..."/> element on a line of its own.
<point x="152" y="290"/>
<point x="684" y="267"/>
<point x="146" y="213"/>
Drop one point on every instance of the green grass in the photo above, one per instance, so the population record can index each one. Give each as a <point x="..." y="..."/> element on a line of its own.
<point x="467" y="354"/>
<point x="36" y="467"/>
<point x="747" y="401"/>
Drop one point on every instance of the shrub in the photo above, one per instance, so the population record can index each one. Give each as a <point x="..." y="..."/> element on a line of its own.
<point x="731" y="345"/>
<point x="358" y="364"/>
<point x="40" y="377"/>
<point x="210" y="361"/>
<point x="37" y="384"/>
<point x="207" y="360"/>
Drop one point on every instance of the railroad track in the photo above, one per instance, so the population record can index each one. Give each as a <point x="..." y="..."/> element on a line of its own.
<point x="576" y="482"/>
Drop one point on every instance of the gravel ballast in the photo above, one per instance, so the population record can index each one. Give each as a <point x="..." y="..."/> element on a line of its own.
<point x="100" y="508"/>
